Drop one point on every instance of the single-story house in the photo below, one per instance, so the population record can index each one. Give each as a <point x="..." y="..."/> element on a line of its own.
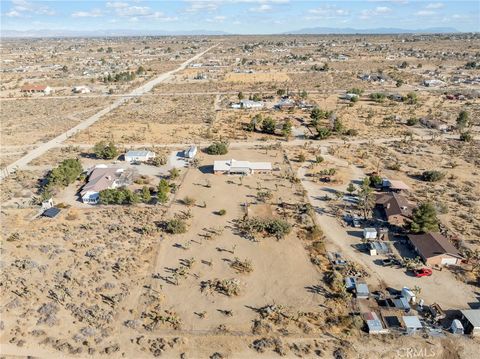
<point x="471" y="321"/>
<point x="81" y="89"/>
<point x="241" y="167"/>
<point x="433" y="83"/>
<point x="99" y="179"/>
<point x="411" y="323"/>
<point x="191" y="152"/>
<point x="36" y="88"/>
<point x="247" y="104"/>
<point x="398" y="210"/>
<point x="139" y="156"/>
<point x="285" y="103"/>
<point x="435" y="249"/>
<point x="435" y="124"/>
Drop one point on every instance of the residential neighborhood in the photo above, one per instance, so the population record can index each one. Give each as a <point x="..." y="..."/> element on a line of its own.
<point x="307" y="193"/>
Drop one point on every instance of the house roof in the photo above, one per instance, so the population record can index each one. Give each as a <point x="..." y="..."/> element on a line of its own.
<point x="433" y="244"/>
<point x="133" y="153"/>
<point x="412" y="321"/>
<point x="100" y="179"/>
<point x="396" y="184"/>
<point x="473" y="316"/>
<point x="395" y="204"/>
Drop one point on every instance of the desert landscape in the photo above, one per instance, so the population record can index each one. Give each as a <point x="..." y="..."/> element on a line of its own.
<point x="293" y="196"/>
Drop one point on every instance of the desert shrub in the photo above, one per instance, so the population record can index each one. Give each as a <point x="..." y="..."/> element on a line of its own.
<point x="118" y="196"/>
<point x="188" y="201"/>
<point x="412" y="121"/>
<point x="432" y="176"/>
<point x="351" y="132"/>
<point x="356" y="91"/>
<point x="105" y="151"/>
<point x="323" y="133"/>
<point x="222" y="212"/>
<point x="263" y="196"/>
<point x="176" y="226"/>
<point x="466" y="137"/>
<point x="158" y="161"/>
<point x="217" y="148"/>
<point x="378" y="97"/>
<point x="274" y="227"/>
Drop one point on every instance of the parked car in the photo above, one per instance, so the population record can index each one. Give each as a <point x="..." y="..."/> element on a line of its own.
<point x="356" y="223"/>
<point x="423" y="272"/>
<point x="387" y="262"/>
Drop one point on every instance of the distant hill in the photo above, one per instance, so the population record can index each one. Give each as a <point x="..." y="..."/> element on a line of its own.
<point x="380" y="30"/>
<point x="126" y="32"/>
<point x="103" y="33"/>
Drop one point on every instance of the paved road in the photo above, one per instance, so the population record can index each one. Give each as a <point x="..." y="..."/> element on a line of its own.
<point x="194" y="93"/>
<point x="41" y="149"/>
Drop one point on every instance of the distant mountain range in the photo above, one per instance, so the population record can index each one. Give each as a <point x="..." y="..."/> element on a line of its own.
<point x="104" y="33"/>
<point x="126" y="32"/>
<point x="380" y="30"/>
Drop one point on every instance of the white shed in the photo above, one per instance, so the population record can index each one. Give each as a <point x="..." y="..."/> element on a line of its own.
<point x="139" y="156"/>
<point x="370" y="233"/>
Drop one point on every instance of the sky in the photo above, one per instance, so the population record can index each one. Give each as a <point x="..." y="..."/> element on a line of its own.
<point x="237" y="16"/>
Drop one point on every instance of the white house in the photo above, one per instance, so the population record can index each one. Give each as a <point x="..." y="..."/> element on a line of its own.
<point x="81" y="89"/>
<point x="100" y="178"/>
<point x="248" y="104"/>
<point x="191" y="152"/>
<point x="139" y="156"/>
<point x="240" y="167"/>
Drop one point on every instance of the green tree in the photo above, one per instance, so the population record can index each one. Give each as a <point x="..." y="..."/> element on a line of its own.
<point x="287" y="128"/>
<point x="67" y="172"/>
<point x="240" y="96"/>
<point x="463" y="120"/>
<point x="424" y="218"/>
<point x="356" y="91"/>
<point x="104" y="150"/>
<point x="280" y="92"/>
<point x="254" y="123"/>
<point x="366" y="199"/>
<point x="268" y="125"/>
<point x="338" y="126"/>
<point x="303" y="94"/>
<point x="146" y="195"/>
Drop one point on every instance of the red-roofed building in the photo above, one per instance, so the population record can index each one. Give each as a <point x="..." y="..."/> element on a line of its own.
<point x="36" y="89"/>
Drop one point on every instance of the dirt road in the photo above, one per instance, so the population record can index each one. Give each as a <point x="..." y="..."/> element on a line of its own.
<point x="40" y="150"/>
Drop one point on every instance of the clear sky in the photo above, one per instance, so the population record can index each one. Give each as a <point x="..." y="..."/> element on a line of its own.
<point x="237" y="16"/>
